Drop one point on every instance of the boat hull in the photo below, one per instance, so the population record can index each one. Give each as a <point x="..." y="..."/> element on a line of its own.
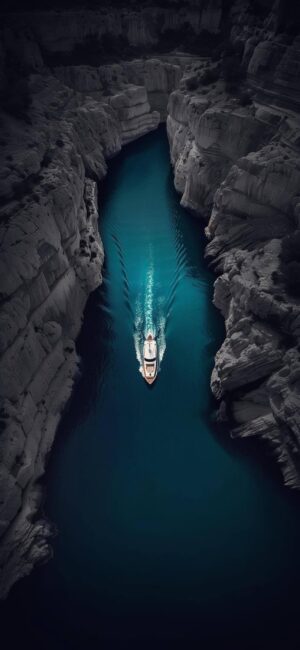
<point x="150" y="365"/>
<point x="150" y="379"/>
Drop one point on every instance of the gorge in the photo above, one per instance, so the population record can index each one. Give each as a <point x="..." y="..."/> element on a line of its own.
<point x="231" y="105"/>
<point x="161" y="520"/>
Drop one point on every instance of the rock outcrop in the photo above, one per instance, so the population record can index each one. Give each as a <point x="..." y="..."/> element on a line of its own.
<point x="233" y="126"/>
<point x="235" y="148"/>
<point x="138" y="24"/>
<point x="51" y="259"/>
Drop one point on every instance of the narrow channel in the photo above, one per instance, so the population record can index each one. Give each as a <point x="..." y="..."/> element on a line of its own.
<point x="169" y="534"/>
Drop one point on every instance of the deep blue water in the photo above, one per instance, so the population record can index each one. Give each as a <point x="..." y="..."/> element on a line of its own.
<point x="170" y="534"/>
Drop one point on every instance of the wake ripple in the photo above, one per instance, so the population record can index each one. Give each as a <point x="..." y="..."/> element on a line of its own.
<point x="151" y="311"/>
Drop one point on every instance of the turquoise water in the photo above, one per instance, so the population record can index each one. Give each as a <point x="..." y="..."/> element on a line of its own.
<point x="169" y="534"/>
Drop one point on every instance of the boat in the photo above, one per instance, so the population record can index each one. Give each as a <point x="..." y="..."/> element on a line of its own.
<point x="150" y="363"/>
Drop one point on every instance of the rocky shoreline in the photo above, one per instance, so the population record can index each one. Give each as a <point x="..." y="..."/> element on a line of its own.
<point x="236" y="161"/>
<point x="51" y="260"/>
<point x="235" y="149"/>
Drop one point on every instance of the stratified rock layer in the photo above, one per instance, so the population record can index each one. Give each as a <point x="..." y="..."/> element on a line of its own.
<point x="236" y="163"/>
<point x="51" y="259"/>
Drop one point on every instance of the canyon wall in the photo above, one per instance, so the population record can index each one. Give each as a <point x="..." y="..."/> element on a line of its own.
<point x="51" y="257"/>
<point x="235" y="149"/>
<point x="139" y="24"/>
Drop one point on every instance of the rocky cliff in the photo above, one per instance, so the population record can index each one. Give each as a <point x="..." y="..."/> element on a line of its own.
<point x="233" y="126"/>
<point x="54" y="150"/>
<point x="142" y="24"/>
<point x="234" y="131"/>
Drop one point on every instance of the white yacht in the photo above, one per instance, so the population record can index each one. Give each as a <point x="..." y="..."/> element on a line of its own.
<point x="150" y="363"/>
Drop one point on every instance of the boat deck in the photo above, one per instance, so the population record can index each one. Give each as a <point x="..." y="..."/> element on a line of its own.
<point x="150" y="349"/>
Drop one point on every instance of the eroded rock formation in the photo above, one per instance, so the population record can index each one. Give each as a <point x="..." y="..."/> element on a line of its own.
<point x="236" y="156"/>
<point x="51" y="259"/>
<point x="234" y="142"/>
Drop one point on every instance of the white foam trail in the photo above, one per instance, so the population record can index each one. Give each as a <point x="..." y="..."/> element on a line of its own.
<point x="138" y="328"/>
<point x="161" y="329"/>
<point x="137" y="346"/>
<point x="161" y="339"/>
<point x="149" y="300"/>
<point x="145" y="322"/>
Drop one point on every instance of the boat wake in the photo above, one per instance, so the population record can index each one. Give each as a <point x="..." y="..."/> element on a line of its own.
<point x="151" y="308"/>
<point x="150" y="319"/>
<point x="143" y="326"/>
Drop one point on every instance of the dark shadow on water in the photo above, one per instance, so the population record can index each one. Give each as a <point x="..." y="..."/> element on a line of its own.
<point x="93" y="347"/>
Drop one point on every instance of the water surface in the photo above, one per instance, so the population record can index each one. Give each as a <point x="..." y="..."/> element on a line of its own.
<point x="170" y="535"/>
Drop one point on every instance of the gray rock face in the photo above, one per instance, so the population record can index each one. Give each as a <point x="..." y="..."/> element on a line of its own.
<point x="140" y="25"/>
<point x="51" y="259"/>
<point x="237" y="164"/>
<point x="157" y="78"/>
